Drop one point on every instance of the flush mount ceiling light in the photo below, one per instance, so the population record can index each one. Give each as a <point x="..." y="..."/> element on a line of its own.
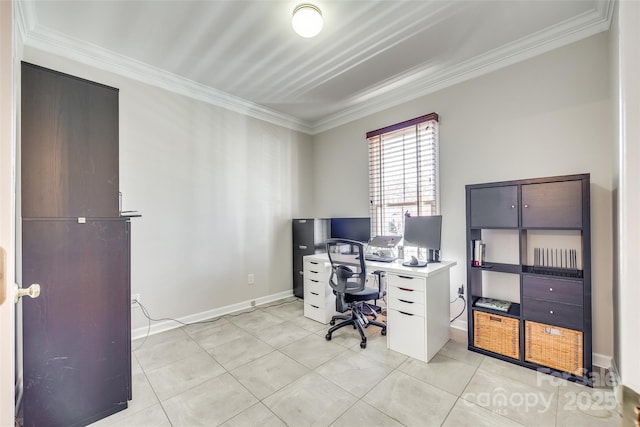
<point x="307" y="20"/>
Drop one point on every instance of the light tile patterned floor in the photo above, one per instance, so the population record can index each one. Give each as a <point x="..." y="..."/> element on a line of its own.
<point x="273" y="367"/>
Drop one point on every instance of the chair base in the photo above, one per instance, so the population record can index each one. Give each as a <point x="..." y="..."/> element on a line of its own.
<point x="358" y="320"/>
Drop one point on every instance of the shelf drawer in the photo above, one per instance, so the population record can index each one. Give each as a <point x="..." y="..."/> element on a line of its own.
<point x="552" y="289"/>
<point x="495" y="333"/>
<point x="558" y="348"/>
<point x="408" y="334"/>
<point x="554" y="313"/>
<point x="405" y="306"/>
<point x="406" y="282"/>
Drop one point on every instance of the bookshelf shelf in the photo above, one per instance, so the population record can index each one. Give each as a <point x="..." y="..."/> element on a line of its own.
<point x="545" y="224"/>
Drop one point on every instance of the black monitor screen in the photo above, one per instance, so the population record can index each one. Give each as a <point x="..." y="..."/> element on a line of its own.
<point x="423" y="231"/>
<point x="358" y="229"/>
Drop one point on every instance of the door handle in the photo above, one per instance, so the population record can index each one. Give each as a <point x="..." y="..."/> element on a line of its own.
<point x="33" y="291"/>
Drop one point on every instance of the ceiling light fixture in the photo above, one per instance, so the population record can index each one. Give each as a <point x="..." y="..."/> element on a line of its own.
<point x="307" y="20"/>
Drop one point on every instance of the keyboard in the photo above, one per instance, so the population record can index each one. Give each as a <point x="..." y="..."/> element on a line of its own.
<point x="379" y="258"/>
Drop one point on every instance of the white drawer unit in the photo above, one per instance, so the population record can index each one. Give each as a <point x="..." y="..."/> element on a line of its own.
<point x="418" y="314"/>
<point x="319" y="300"/>
<point x="406" y="315"/>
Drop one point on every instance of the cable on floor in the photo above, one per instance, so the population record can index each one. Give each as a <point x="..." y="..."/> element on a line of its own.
<point x="150" y="319"/>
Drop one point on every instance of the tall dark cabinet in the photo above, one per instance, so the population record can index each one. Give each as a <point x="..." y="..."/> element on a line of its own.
<point x="537" y="243"/>
<point x="75" y="244"/>
<point x="309" y="237"/>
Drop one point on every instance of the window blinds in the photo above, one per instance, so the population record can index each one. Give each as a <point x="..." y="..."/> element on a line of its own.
<point x="403" y="173"/>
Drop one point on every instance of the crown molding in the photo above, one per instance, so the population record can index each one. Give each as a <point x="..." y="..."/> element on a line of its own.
<point x="423" y="81"/>
<point x="59" y="44"/>
<point x="408" y="87"/>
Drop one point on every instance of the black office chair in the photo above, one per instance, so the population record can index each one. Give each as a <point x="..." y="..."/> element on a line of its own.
<point x="348" y="280"/>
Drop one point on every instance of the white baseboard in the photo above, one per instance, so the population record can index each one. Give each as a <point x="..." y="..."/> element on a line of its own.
<point x="599" y="360"/>
<point x="166" y="325"/>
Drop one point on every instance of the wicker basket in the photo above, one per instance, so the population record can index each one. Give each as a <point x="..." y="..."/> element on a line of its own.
<point x="495" y="333"/>
<point x="558" y="348"/>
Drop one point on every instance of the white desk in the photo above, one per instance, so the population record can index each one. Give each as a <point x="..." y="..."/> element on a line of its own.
<point x="417" y="302"/>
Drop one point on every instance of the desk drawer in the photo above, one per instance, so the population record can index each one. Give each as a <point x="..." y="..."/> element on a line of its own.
<point x="406" y="282"/>
<point x="407" y="334"/>
<point x="405" y="306"/>
<point x="316" y="270"/>
<point x="406" y="294"/>
<point x="319" y="314"/>
<point x="553" y="313"/>
<point x="552" y="289"/>
<point x="317" y="299"/>
<point x="321" y="288"/>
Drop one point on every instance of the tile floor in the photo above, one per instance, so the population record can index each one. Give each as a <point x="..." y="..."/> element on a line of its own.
<point x="273" y="367"/>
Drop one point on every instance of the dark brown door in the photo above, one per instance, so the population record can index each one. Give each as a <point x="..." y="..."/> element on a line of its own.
<point x="76" y="334"/>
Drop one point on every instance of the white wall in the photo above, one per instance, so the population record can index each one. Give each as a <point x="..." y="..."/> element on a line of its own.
<point x="216" y="190"/>
<point x="546" y="116"/>
<point x="625" y="34"/>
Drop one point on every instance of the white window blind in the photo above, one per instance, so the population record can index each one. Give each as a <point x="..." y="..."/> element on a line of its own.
<point x="403" y="173"/>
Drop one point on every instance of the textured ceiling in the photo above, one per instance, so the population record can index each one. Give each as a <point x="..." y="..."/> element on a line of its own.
<point x="244" y="55"/>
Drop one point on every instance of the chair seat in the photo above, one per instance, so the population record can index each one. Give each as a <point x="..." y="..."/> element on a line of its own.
<point x="366" y="294"/>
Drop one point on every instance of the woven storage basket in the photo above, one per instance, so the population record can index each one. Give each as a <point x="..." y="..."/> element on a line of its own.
<point x="558" y="348"/>
<point x="495" y="333"/>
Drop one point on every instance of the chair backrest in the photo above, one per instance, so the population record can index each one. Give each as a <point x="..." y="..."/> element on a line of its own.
<point x="348" y="269"/>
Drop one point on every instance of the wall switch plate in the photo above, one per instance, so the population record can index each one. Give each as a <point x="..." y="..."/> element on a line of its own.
<point x="251" y="279"/>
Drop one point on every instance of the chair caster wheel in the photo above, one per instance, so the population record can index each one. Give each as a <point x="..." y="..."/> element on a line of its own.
<point x="328" y="337"/>
<point x="383" y="332"/>
<point x="333" y="322"/>
<point x="363" y="344"/>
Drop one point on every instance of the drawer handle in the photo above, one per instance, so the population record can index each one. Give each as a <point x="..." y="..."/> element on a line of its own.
<point x="302" y="247"/>
<point x="405" y="313"/>
<point x="301" y="273"/>
<point x="312" y="271"/>
<point x="550" y="311"/>
<point x="552" y="331"/>
<point x="550" y="289"/>
<point x="302" y="221"/>
<point x="314" y="306"/>
<point x="526" y="206"/>
<point x="513" y="206"/>
<point x="495" y="319"/>
<point x="407" y="277"/>
<point x="314" y="280"/>
<point x="313" y="293"/>
<point x="313" y="262"/>
<point x="406" y="289"/>
<point x="405" y="301"/>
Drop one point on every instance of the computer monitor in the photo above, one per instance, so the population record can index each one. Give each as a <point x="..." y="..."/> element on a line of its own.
<point x="358" y="229"/>
<point x="424" y="232"/>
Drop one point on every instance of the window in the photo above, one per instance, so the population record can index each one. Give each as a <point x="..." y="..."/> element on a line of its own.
<point x="403" y="173"/>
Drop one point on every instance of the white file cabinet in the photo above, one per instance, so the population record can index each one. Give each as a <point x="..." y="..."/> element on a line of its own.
<point x="319" y="300"/>
<point x="417" y="314"/>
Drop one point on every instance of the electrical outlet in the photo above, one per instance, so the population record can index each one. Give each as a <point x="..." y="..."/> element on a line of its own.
<point x="251" y="279"/>
<point x="253" y="303"/>
<point x="461" y="290"/>
<point x="135" y="298"/>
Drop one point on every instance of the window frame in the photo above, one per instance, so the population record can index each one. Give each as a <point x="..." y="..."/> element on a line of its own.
<point x="427" y="142"/>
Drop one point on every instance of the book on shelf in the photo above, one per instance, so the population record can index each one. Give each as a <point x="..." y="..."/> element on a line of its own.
<point x="494" y="304"/>
<point x="478" y="253"/>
